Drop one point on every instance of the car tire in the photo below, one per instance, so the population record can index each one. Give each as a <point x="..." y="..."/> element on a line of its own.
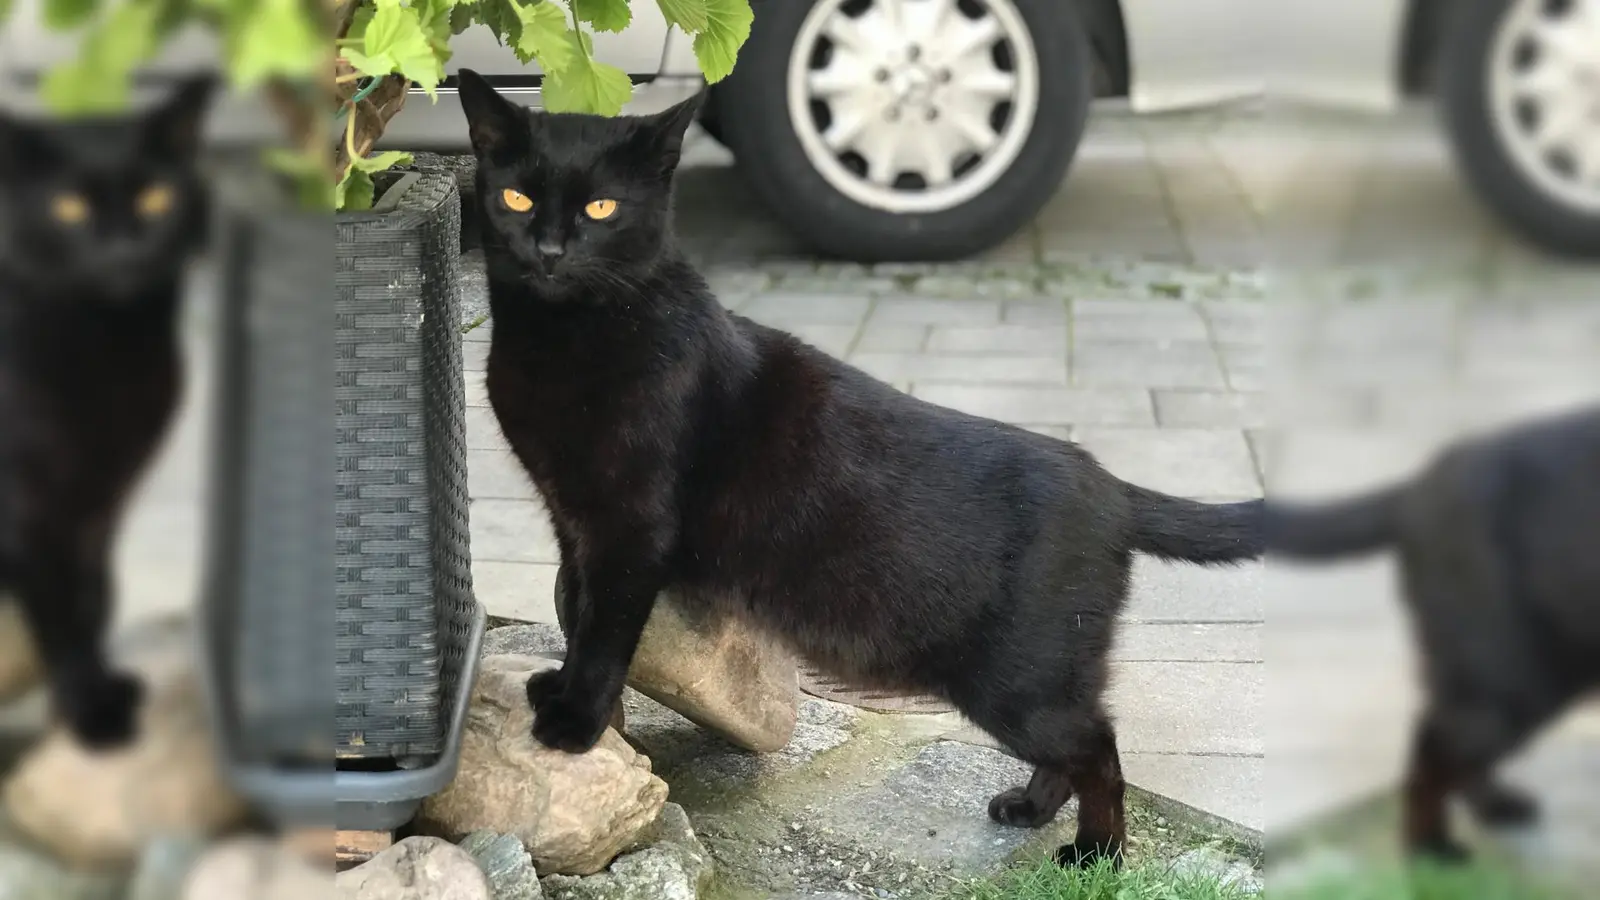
<point x="755" y="121"/>
<point x="1488" y="151"/>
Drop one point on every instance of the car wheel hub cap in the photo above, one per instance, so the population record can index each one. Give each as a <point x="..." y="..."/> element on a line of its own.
<point x="1544" y="77"/>
<point x="913" y="105"/>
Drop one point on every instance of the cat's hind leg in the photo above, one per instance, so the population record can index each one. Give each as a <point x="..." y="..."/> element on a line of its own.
<point x="1036" y="804"/>
<point x="1456" y="747"/>
<point x="1075" y="750"/>
<point x="1095" y="769"/>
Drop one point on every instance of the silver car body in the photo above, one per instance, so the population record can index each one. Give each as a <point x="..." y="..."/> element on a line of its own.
<point x="1183" y="54"/>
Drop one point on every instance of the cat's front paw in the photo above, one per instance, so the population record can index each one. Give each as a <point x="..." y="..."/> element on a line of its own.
<point x="103" y="713"/>
<point x="544" y="685"/>
<point x="561" y="722"/>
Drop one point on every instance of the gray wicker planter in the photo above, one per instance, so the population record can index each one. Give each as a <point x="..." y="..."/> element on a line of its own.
<point x="376" y="642"/>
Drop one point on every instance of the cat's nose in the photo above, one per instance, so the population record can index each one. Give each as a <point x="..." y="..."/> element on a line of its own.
<point x="550" y="252"/>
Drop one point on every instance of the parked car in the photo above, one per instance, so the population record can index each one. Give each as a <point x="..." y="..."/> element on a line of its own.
<point x="933" y="129"/>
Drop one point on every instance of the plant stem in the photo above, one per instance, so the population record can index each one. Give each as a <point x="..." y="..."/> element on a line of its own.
<point x="572" y="8"/>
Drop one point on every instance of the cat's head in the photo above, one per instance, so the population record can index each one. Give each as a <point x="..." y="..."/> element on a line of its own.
<point x="103" y="208"/>
<point x="571" y="203"/>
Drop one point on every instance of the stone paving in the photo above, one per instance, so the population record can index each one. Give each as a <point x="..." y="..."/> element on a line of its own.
<point x="1130" y="317"/>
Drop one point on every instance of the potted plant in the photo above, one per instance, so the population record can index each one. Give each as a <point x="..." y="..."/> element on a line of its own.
<point x="378" y="638"/>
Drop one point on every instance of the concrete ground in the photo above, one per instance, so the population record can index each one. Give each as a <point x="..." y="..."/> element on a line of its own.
<point x="1136" y="317"/>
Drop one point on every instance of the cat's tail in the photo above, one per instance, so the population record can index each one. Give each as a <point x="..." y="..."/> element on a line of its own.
<point x="1351" y="527"/>
<point x="1190" y="531"/>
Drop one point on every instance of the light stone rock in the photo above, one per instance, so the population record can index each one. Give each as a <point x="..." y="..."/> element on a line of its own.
<point x="255" y="868"/>
<point x="417" y="868"/>
<point x="722" y="673"/>
<point x="99" y="809"/>
<point x="573" y="812"/>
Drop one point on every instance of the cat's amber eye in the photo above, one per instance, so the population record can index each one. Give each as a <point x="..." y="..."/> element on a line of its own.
<point x="70" y="209"/>
<point x="516" y="201"/>
<point x="600" y="209"/>
<point x="154" y="201"/>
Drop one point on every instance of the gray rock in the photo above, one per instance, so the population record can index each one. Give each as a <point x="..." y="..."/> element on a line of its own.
<point x="659" y="873"/>
<point x="1213" y="863"/>
<point x="163" y="867"/>
<point x="507" y="863"/>
<point x="676" y="867"/>
<point x="675" y="828"/>
<point x="26" y="874"/>
<point x="533" y="639"/>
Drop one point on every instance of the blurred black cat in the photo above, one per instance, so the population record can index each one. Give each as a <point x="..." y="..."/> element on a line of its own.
<point x="98" y="218"/>
<point x="1499" y="546"/>
<point x="896" y="543"/>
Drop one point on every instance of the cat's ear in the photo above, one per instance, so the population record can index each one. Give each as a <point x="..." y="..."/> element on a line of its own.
<point x="176" y="126"/>
<point x="666" y="129"/>
<point x="496" y="125"/>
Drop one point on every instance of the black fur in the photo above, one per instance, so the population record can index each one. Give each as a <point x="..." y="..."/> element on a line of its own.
<point x="1497" y="542"/>
<point x="896" y="543"/>
<point x="89" y="372"/>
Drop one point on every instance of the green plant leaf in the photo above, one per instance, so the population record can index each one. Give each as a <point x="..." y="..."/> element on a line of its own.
<point x="308" y="176"/>
<point x="727" y="28"/>
<point x="604" y="15"/>
<point x="97" y="81"/>
<point x="546" y="37"/>
<point x="689" y="15"/>
<point x="377" y="67"/>
<point x="462" y="17"/>
<point x="64" y="15"/>
<point x="356" y="192"/>
<point x="275" y="39"/>
<point x="501" y="17"/>
<point x="587" y="86"/>
<point x="436" y="25"/>
<point x="5" y="10"/>
<point x="379" y="162"/>
<point x="78" y="88"/>
<point x="358" y="24"/>
<point x="396" y="34"/>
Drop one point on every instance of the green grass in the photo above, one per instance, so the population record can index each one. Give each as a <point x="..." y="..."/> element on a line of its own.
<point x="1049" y="881"/>
<point x="1423" y="882"/>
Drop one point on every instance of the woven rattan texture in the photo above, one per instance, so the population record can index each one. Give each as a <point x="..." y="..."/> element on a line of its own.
<point x="271" y="578"/>
<point x="405" y="602"/>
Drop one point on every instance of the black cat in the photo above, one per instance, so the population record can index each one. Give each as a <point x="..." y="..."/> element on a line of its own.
<point x="1499" y="546"/>
<point x="896" y="543"/>
<point x="97" y="221"/>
